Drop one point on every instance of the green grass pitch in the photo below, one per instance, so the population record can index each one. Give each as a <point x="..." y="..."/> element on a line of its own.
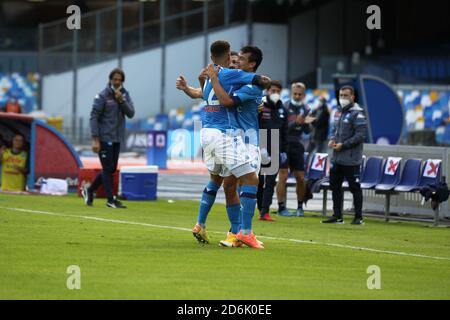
<point x="151" y="254"/>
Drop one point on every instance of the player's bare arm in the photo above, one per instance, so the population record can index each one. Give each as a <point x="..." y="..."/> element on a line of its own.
<point x="194" y="93"/>
<point x="223" y="97"/>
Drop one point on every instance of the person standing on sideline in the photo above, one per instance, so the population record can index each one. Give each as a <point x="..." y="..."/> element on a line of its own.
<point x="272" y="116"/>
<point x="347" y="139"/>
<point x="297" y="112"/>
<point x="107" y="122"/>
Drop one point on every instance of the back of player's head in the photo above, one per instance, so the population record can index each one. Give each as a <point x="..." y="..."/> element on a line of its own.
<point x="255" y="56"/>
<point x="219" y="49"/>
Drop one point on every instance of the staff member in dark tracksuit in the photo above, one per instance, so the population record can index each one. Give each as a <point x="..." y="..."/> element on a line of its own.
<point x="297" y="111"/>
<point x="107" y="121"/>
<point x="272" y="116"/>
<point x="347" y="139"/>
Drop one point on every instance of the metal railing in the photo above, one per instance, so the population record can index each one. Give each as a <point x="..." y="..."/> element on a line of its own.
<point x="129" y="27"/>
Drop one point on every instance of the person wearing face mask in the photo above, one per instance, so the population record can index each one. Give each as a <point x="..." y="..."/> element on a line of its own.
<point x="297" y="113"/>
<point x="347" y="139"/>
<point x="272" y="116"/>
<point x="107" y="122"/>
<point x="321" y="124"/>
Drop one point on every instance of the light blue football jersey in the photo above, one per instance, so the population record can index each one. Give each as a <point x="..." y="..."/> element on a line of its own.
<point x="214" y="115"/>
<point x="250" y="97"/>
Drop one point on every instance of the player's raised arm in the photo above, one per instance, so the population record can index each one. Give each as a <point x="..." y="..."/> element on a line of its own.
<point x="239" y="77"/>
<point x="194" y="93"/>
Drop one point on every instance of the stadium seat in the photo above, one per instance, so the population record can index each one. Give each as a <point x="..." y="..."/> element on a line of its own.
<point x="372" y="173"/>
<point x="318" y="167"/>
<point x="391" y="174"/>
<point x="410" y="175"/>
<point x="431" y="173"/>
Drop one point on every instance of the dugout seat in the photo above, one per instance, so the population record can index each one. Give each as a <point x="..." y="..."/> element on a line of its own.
<point x="391" y="174"/>
<point x="431" y="173"/>
<point x="410" y="175"/>
<point x="372" y="173"/>
<point x="318" y="167"/>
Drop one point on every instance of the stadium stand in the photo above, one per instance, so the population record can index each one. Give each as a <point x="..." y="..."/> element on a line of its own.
<point x="22" y="86"/>
<point x="424" y="109"/>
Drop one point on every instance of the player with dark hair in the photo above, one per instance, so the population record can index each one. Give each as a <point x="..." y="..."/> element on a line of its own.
<point x="244" y="103"/>
<point x="217" y="122"/>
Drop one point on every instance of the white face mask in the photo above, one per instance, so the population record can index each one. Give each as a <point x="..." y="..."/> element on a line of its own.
<point x="344" y="102"/>
<point x="275" y="97"/>
<point x="296" y="103"/>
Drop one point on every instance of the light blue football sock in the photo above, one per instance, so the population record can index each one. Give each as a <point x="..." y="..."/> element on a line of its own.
<point x="208" y="198"/>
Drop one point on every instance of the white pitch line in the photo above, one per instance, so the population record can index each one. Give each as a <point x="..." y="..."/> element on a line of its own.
<point x="399" y="253"/>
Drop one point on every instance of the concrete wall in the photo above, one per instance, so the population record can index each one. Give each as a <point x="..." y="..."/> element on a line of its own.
<point x="143" y="80"/>
<point x="272" y="39"/>
<point x="182" y="58"/>
<point x="57" y="94"/>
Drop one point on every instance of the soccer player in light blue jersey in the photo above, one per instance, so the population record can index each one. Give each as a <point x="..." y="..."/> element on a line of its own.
<point x="244" y="103"/>
<point x="219" y="145"/>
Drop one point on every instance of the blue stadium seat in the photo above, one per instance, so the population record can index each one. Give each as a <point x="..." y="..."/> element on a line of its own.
<point x="318" y="167"/>
<point x="391" y="174"/>
<point x="431" y="173"/>
<point x="372" y="173"/>
<point x="410" y="175"/>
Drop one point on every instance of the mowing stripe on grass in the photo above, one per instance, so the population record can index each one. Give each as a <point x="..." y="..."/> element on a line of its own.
<point x="399" y="253"/>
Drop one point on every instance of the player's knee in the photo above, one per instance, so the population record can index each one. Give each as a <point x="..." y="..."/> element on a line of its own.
<point x="216" y="179"/>
<point x="229" y="187"/>
<point x="282" y="176"/>
<point x="300" y="178"/>
<point x="250" y="179"/>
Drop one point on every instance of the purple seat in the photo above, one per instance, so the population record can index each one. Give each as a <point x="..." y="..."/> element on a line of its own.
<point x="391" y="174"/>
<point x="410" y="176"/>
<point x="431" y="173"/>
<point x="372" y="173"/>
<point x="318" y="167"/>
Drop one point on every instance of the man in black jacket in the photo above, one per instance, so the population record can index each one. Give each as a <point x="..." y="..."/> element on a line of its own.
<point x="272" y="116"/>
<point x="347" y="139"/>
<point x="107" y="122"/>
